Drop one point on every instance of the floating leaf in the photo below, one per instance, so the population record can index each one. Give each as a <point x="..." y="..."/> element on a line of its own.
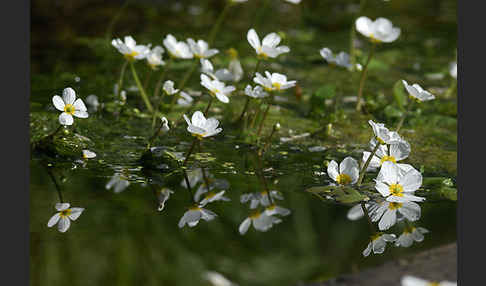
<point x="348" y="195"/>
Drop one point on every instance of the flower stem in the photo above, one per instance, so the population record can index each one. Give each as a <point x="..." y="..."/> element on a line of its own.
<point x="370" y="223"/>
<point x="365" y="166"/>
<point x="120" y="81"/>
<point x="161" y="79"/>
<point x="218" y="23"/>
<point x="263" y="119"/>
<point x="363" y="78"/>
<point x="247" y="103"/>
<point x="188" y="186"/>
<point x="269" y="140"/>
<point x="147" y="78"/>
<point x="207" y="107"/>
<point x="190" y="151"/>
<point x="58" y="189"/>
<point x="183" y="82"/>
<point x="140" y="87"/>
<point x="152" y="139"/>
<point x="409" y="108"/>
<point x="352" y="36"/>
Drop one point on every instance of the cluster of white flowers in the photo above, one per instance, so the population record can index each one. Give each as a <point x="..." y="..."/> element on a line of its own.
<point x="396" y="182"/>
<point x="265" y="217"/>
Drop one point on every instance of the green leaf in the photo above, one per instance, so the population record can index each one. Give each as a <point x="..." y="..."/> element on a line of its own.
<point x="348" y="195"/>
<point x="320" y="189"/>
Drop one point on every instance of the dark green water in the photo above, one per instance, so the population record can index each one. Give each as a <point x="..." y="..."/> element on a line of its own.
<point x="121" y="239"/>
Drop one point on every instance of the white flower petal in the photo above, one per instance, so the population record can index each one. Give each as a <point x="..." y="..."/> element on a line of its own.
<point x="63" y="224"/>
<point x="66" y="119"/>
<point x="53" y="220"/>
<point x="58" y="102"/>
<point x="62" y="206"/>
<point x="243" y="228"/>
<point x="332" y="170"/>
<point x="75" y="213"/>
<point x="68" y="95"/>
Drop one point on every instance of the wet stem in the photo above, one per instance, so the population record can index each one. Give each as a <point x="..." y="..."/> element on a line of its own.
<point x="140" y="87"/>
<point x="152" y="139"/>
<point x="58" y="189"/>
<point x="120" y="81"/>
<point x="208" y="106"/>
<point x="190" y="151"/>
<point x="363" y="78"/>
<point x="263" y="119"/>
<point x="367" y="163"/>
<point x="202" y="169"/>
<point x="188" y="186"/>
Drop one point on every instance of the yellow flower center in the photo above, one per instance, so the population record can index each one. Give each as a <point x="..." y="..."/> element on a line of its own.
<point x="380" y="140"/>
<point x="277" y="85"/>
<point x="131" y="56"/>
<point x="195" y="208"/>
<point x="69" y="108"/>
<point x="375" y="236"/>
<point x="271" y="207"/>
<point x="343" y="179"/>
<point x="396" y="190"/>
<point x="255" y="215"/>
<point x="233" y="53"/>
<point x="210" y="195"/>
<point x="374" y="40"/>
<point x="394" y="206"/>
<point x="261" y="54"/>
<point x="388" y="158"/>
<point x="65" y="213"/>
<point x="433" y="284"/>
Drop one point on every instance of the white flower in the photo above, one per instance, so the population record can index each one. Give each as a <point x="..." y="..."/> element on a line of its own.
<point x="260" y="198"/>
<point x="165" y="124"/>
<point x="356" y="212"/>
<point x="177" y="49"/>
<point x="378" y="243"/>
<point x="380" y="30"/>
<point x="163" y="195"/>
<point x="87" y="154"/>
<point x="238" y="1"/>
<point x="293" y="1"/>
<point x="453" y="69"/>
<point x="409" y="280"/>
<point x="192" y="216"/>
<point x="130" y="49"/>
<point x="201" y="127"/>
<point x="256" y="92"/>
<point x="417" y="92"/>
<point x="274" y="209"/>
<point x="184" y="99"/>
<point x="64" y="216"/>
<point x="154" y="57"/>
<point x="69" y="106"/>
<point x="92" y="102"/>
<point x="273" y="81"/>
<point x="200" y="49"/>
<point x="118" y="182"/>
<point x="268" y="47"/>
<point x="168" y="88"/>
<point x="410" y="235"/>
<point x="398" y="151"/>
<point x="388" y="213"/>
<point x="217" y="88"/>
<point x="341" y="59"/>
<point x="234" y="73"/>
<point x="260" y="221"/>
<point x="383" y="135"/>
<point x="215" y="278"/>
<point x="347" y="173"/>
<point x="396" y="186"/>
<point x="213" y="197"/>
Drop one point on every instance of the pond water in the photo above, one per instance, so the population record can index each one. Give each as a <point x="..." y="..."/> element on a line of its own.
<point x="122" y="238"/>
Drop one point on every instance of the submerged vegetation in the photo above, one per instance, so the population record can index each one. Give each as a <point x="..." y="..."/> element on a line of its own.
<point x="219" y="148"/>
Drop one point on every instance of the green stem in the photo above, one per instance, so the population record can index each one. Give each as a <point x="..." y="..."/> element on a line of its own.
<point x="370" y="223"/>
<point x="363" y="78"/>
<point x="190" y="151"/>
<point x="209" y="105"/>
<point x="161" y="79"/>
<point x="152" y="139"/>
<point x="140" y="87"/>
<point x="269" y="140"/>
<point x="147" y="78"/>
<point x="120" y="81"/>
<point x="367" y="163"/>
<point x="263" y="119"/>
<point x="183" y="82"/>
<point x="202" y="169"/>
<point x="253" y="121"/>
<point x="409" y="108"/>
<point x="352" y="36"/>
<point x="247" y="103"/>
<point x="188" y="186"/>
<point x="217" y="25"/>
<point x="58" y="189"/>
